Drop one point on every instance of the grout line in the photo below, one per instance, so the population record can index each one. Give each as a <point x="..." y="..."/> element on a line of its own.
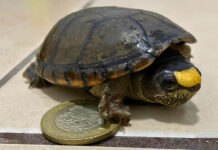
<point x="119" y="141"/>
<point x="18" y="67"/>
<point x="26" y="60"/>
<point x="88" y="4"/>
<point x="121" y="134"/>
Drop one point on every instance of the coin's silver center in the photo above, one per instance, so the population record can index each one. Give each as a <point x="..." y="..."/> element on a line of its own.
<point x="78" y="118"/>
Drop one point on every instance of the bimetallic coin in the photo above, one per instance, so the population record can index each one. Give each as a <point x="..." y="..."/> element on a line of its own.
<point x="76" y="123"/>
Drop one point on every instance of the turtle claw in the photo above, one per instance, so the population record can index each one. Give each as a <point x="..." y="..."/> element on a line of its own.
<point x="115" y="111"/>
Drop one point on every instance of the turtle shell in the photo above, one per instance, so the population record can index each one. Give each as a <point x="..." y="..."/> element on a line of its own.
<point x="98" y="44"/>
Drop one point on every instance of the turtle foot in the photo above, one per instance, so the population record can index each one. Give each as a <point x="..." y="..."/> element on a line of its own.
<point x="115" y="111"/>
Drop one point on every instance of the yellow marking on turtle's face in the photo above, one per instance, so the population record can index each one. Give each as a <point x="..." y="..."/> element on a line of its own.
<point x="188" y="78"/>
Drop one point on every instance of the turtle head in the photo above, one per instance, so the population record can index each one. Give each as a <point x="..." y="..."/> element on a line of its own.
<point x="171" y="80"/>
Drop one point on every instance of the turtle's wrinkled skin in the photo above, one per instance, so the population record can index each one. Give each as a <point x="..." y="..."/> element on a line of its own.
<point x="118" y="52"/>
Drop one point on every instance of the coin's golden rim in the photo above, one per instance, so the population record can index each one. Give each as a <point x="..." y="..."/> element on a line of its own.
<point x="53" y="133"/>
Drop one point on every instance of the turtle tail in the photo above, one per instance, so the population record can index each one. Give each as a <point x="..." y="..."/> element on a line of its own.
<point x="35" y="80"/>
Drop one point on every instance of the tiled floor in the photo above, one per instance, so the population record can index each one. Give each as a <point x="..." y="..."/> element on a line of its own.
<point x="37" y="147"/>
<point x="24" y="26"/>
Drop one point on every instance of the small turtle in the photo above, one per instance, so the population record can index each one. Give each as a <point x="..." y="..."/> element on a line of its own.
<point x="117" y="53"/>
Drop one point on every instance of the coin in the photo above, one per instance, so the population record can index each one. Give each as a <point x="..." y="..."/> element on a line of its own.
<point x="76" y="123"/>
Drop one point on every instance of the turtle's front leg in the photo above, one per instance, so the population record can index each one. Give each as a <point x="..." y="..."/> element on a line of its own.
<point x="111" y="104"/>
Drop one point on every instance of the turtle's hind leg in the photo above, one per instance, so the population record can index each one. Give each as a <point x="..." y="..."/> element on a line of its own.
<point x="35" y="80"/>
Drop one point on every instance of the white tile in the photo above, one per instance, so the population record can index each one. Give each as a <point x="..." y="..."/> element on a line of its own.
<point x="22" y="108"/>
<point x="24" y="25"/>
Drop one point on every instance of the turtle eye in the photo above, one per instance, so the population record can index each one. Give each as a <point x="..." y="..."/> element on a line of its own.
<point x="169" y="82"/>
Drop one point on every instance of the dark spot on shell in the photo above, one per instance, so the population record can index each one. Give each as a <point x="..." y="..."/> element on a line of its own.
<point x="103" y="56"/>
<point x="157" y="34"/>
<point x="132" y="27"/>
<point x="128" y="46"/>
<point x="89" y="21"/>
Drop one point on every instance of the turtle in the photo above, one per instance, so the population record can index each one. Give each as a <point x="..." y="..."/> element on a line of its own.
<point x="116" y="52"/>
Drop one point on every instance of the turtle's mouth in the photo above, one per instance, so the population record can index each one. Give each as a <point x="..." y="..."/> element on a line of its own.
<point x="175" y="98"/>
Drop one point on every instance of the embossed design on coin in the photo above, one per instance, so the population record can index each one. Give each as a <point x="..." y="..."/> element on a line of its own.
<point x="78" y="118"/>
<point x="76" y="123"/>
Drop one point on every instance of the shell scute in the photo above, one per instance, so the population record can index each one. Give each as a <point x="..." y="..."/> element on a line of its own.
<point x="96" y="44"/>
